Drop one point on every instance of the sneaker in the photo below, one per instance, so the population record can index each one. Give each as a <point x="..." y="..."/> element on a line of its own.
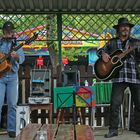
<point x="12" y="134"/>
<point x="111" y="134"/>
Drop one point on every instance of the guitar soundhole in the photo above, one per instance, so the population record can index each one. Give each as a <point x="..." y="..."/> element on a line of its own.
<point x="114" y="60"/>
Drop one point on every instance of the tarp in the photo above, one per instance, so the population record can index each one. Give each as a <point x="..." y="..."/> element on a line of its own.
<point x="107" y="34"/>
<point x="68" y="40"/>
<point x="135" y="32"/>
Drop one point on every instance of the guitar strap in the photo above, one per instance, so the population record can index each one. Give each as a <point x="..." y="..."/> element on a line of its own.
<point x="124" y="45"/>
<point x="13" y="44"/>
<point x="113" y="45"/>
<point x="127" y="45"/>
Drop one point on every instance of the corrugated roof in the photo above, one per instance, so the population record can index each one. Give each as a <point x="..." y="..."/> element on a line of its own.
<point x="72" y="6"/>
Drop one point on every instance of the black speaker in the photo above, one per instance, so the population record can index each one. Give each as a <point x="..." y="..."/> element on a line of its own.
<point x="71" y="77"/>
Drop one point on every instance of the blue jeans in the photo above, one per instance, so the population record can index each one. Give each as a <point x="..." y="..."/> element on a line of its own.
<point x="9" y="88"/>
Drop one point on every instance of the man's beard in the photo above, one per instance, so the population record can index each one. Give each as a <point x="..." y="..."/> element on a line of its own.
<point x="124" y="33"/>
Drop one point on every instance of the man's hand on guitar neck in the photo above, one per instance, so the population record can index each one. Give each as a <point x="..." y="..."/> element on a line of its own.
<point x="105" y="57"/>
<point x="15" y="55"/>
<point x="2" y="55"/>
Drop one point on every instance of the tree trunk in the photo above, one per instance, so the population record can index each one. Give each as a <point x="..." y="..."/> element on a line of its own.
<point x="54" y="59"/>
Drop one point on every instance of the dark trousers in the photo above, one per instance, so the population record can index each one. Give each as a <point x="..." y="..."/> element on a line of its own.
<point x="117" y="99"/>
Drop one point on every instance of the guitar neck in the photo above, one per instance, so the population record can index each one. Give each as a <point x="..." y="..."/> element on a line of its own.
<point x="16" y="48"/>
<point x="122" y="55"/>
<point x="9" y="53"/>
<point x="28" y="41"/>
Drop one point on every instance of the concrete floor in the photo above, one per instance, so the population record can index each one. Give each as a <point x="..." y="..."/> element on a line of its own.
<point x="123" y="135"/>
<point x="5" y="137"/>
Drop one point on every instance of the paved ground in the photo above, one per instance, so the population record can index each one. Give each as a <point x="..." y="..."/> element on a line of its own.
<point x="5" y="137"/>
<point x="123" y="135"/>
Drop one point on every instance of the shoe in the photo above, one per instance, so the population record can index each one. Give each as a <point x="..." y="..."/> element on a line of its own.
<point x="111" y="133"/>
<point x="12" y="134"/>
<point x="132" y="129"/>
<point x="138" y="132"/>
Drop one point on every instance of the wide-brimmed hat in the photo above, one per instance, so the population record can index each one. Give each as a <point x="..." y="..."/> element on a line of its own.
<point x="122" y="21"/>
<point x="8" y="25"/>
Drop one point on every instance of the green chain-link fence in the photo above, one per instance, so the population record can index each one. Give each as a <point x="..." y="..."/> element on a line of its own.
<point x="85" y="24"/>
<point x="91" y="28"/>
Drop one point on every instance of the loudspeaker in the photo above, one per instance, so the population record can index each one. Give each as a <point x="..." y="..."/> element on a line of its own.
<point x="71" y="76"/>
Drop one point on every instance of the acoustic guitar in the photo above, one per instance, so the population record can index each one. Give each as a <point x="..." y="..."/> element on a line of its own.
<point x="106" y="70"/>
<point x="5" y="65"/>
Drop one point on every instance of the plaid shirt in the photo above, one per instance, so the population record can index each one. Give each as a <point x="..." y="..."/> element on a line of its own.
<point x="128" y="72"/>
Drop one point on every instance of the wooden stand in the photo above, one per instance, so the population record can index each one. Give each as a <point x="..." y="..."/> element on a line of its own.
<point x="43" y="106"/>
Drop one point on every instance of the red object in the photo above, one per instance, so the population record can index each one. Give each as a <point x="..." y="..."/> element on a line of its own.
<point x="65" y="61"/>
<point x="40" y="62"/>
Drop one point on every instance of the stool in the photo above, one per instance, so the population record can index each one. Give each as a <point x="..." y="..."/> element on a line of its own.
<point x="103" y="96"/>
<point x="43" y="106"/>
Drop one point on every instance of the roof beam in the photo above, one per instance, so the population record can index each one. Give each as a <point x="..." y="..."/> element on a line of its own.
<point x="108" y="4"/>
<point x="2" y="4"/>
<point x="98" y="4"/>
<point x="88" y="4"/>
<point x="50" y="5"/>
<point x="126" y="5"/>
<point x="118" y="3"/>
<point x="11" y="4"/>
<point x="31" y="4"/>
<point x="41" y="4"/>
<point x="21" y="5"/>
<point x="69" y="4"/>
<point x="60" y="5"/>
<point x="137" y="2"/>
<point x="79" y="5"/>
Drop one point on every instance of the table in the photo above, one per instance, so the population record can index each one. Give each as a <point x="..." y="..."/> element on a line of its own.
<point x="57" y="132"/>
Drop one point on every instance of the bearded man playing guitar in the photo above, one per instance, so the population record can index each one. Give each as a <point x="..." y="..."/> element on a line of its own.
<point x="9" y="74"/>
<point x="123" y="72"/>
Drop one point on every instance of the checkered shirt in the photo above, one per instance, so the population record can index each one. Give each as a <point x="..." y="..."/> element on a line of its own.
<point x="128" y="72"/>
